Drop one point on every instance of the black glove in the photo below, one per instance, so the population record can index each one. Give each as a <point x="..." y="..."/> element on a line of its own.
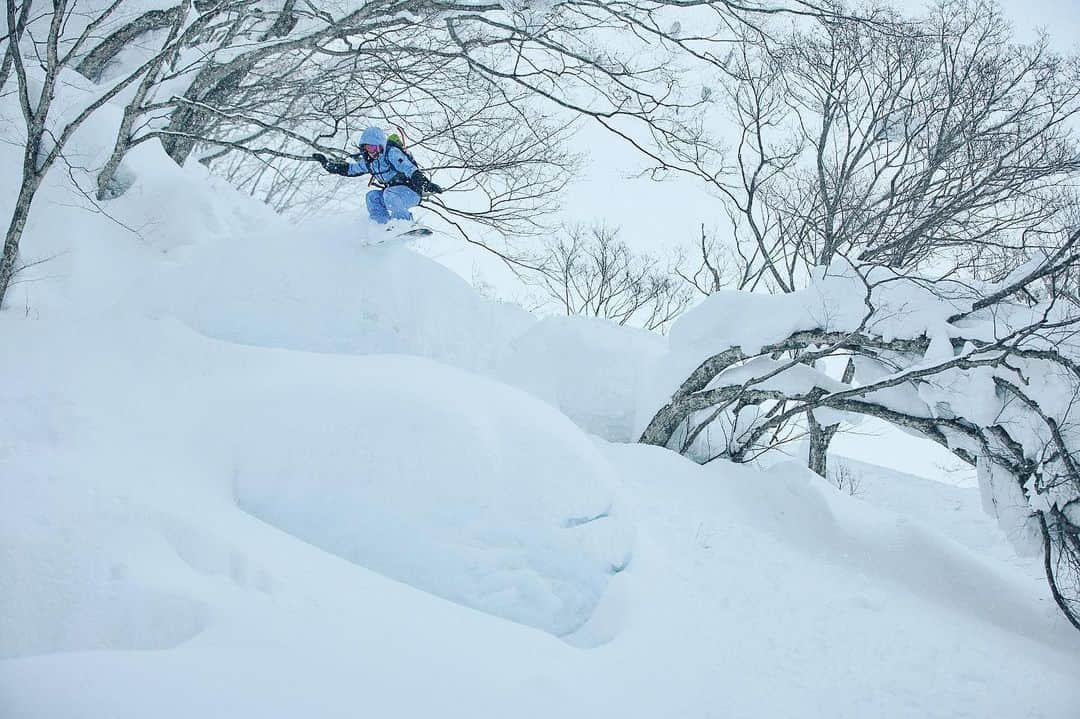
<point x="420" y="184"/>
<point x="336" y="167"/>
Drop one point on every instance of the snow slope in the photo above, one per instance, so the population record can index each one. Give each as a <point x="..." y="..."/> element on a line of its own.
<point x="441" y="479"/>
<point x="317" y="287"/>
<point x="745" y="598"/>
<point x="255" y="470"/>
<point x="955" y="510"/>
<point x="590" y="369"/>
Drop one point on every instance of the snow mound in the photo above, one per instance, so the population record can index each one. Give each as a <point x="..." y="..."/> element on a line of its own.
<point x="82" y="568"/>
<point x="444" y="480"/>
<point x="81" y="261"/>
<point x="590" y="369"/>
<point x="319" y="287"/>
<point x="448" y="481"/>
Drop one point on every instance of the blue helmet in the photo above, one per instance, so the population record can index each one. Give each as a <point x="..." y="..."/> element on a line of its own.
<point x="373" y="136"/>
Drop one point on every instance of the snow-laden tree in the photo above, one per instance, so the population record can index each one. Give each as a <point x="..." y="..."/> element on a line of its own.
<point x="44" y="46"/>
<point x="990" y="371"/>
<point x="938" y="150"/>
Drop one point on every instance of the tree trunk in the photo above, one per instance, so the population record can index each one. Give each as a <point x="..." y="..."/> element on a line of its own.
<point x="14" y="234"/>
<point x="98" y="59"/>
<point x="13" y="40"/>
<point x="286" y="21"/>
<point x="1051" y="576"/>
<point x="188" y="122"/>
<point x="820" y="437"/>
<point x="107" y="187"/>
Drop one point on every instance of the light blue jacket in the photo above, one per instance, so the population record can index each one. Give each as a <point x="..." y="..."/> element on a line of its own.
<point x="390" y="167"/>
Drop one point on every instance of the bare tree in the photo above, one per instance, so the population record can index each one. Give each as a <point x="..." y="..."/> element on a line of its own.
<point x="899" y="143"/>
<point x="591" y="272"/>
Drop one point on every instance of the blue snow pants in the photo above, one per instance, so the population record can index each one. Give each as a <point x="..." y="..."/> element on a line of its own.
<point x="391" y="202"/>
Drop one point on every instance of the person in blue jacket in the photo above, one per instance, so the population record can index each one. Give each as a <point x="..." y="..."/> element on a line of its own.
<point x="402" y="182"/>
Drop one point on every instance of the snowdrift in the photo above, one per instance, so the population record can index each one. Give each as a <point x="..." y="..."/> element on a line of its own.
<point x="447" y="481"/>
<point x="320" y="287"/>
<point x="444" y="480"/>
<point x="590" y="369"/>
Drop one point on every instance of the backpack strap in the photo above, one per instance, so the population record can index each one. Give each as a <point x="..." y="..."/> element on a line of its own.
<point x="400" y="179"/>
<point x="397" y="145"/>
<point x="362" y="157"/>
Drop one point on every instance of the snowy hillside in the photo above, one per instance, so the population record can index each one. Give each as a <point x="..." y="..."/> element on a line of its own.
<point x="259" y="470"/>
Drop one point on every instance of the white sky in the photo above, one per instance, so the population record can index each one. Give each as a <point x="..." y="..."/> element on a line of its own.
<point x="1060" y="18"/>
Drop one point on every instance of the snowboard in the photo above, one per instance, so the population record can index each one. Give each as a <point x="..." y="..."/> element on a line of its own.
<point x="404" y="235"/>
<point x="415" y="232"/>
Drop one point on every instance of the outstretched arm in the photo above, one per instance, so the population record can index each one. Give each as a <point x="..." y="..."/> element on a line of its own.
<point x="355" y="166"/>
<point x="340" y="167"/>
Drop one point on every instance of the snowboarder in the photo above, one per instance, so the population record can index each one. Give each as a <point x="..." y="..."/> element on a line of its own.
<point x="401" y="184"/>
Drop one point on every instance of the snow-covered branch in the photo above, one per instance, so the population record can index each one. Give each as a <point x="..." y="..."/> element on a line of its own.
<point x="995" y="383"/>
